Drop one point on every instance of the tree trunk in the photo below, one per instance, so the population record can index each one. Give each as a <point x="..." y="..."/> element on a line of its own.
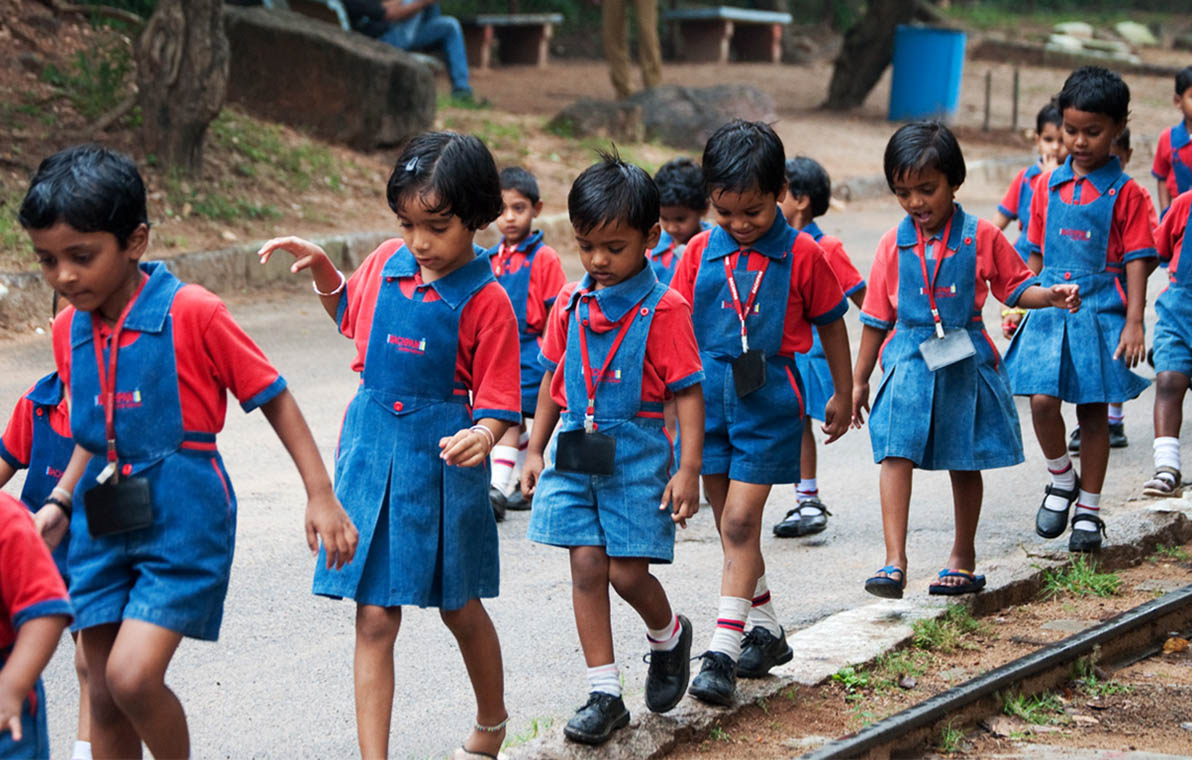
<point x="868" y="49"/>
<point x="182" y="75"/>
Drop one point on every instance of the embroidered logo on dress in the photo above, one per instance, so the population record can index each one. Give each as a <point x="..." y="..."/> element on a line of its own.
<point x="611" y="376"/>
<point x="408" y="345"/>
<point x="757" y="307"/>
<point x="1083" y="236"/>
<point x="124" y="399"/>
<point x="943" y="291"/>
<point x="53" y="472"/>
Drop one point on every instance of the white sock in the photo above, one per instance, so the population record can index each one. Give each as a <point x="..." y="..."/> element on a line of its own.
<point x="807" y="489"/>
<point x="762" y="610"/>
<point x="730" y="626"/>
<point x="1063" y="475"/>
<point x="523" y="444"/>
<point x="606" y="678"/>
<point x="81" y="751"/>
<point x="1087" y="504"/>
<point x="1115" y="415"/>
<point x="504" y="459"/>
<point x="665" y="638"/>
<point x="1167" y="452"/>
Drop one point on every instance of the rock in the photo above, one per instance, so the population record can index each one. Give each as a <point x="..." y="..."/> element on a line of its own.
<point x="600" y="118"/>
<point x="1067" y="626"/>
<point x="1075" y="29"/>
<point x="954" y="674"/>
<point x="1085" y="720"/>
<point x="1116" y="47"/>
<point x="339" y="85"/>
<point x="1186" y="725"/>
<point x="1135" y="33"/>
<point x="1003" y="725"/>
<point x="1158" y="584"/>
<point x="908" y="682"/>
<point x="1065" y="42"/>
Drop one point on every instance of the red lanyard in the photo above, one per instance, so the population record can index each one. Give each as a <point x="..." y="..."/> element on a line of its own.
<point x="504" y="254"/>
<point x="732" y="289"/>
<point x="591" y="383"/>
<point x="921" y="250"/>
<point x="107" y="378"/>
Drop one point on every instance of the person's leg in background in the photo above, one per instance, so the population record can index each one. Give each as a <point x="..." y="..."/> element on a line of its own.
<point x="438" y="30"/>
<point x="615" y="28"/>
<point x="649" y="49"/>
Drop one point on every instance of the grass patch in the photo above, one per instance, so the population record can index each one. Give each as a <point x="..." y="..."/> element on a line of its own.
<point x="14" y="244"/>
<point x="951" y="739"/>
<point x="93" y="80"/>
<point x="1080" y="577"/>
<point x="263" y="152"/>
<point x="948" y="631"/>
<point x="1174" y="553"/>
<point x="853" y="680"/>
<point x="1040" y="709"/>
<point x="536" y="727"/>
<point x="719" y="734"/>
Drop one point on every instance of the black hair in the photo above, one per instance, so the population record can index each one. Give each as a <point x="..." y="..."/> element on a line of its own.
<point x="680" y="182"/>
<point x="91" y="188"/>
<point x="1123" y="139"/>
<point x="1183" y="80"/>
<point x="805" y="176"/>
<point x="610" y="191"/>
<point x="517" y="178"/>
<point x="456" y="170"/>
<point x="1096" y="90"/>
<point x="744" y="155"/>
<point x="924" y="145"/>
<point x="1048" y="114"/>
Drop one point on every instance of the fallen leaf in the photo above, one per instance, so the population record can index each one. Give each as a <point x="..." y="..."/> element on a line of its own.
<point x="1086" y="720"/>
<point x="908" y="682"/>
<point x="1175" y="644"/>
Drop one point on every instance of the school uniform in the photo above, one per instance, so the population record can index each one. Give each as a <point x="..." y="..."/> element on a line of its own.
<point x="1173" y="160"/>
<point x="1016" y="204"/>
<point x="30" y="587"/>
<point x="640" y="349"/>
<point x="1087" y="229"/>
<point x="756" y="438"/>
<point x="665" y="256"/>
<point x="961" y="416"/>
<point x="1173" y="331"/>
<point x="433" y="358"/>
<point x="813" y="365"/>
<point x="179" y="352"/>
<point x="38" y="438"/>
<point x="531" y="275"/>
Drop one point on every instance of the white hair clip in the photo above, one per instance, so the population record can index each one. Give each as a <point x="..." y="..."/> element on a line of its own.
<point x="412" y="164"/>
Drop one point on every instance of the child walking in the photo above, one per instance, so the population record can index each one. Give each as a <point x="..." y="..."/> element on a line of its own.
<point x="148" y="361"/>
<point x="1090" y="228"/>
<point x="531" y="274"/>
<point x="943" y="402"/>
<point x="1173" y="153"/>
<point x="618" y="345"/>
<point x="683" y="207"/>
<point x="756" y="287"/>
<point x="436" y="348"/>
<point x="1016" y="204"/>
<point x="808" y="194"/>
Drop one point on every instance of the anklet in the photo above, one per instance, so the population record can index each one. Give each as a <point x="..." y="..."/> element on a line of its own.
<point x="491" y="729"/>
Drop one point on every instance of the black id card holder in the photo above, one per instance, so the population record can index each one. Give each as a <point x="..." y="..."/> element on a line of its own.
<point x="749" y="372"/>
<point x="118" y="507"/>
<point x="587" y="453"/>
<point x="955" y="346"/>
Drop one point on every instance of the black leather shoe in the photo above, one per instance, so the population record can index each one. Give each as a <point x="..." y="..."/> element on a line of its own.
<point x="595" y="721"/>
<point x="1086" y="540"/>
<point x="499" y="502"/>
<point x="810" y="517"/>
<point x="1051" y="523"/>
<point x="717" y="679"/>
<point x="1117" y="435"/>
<point x="762" y="650"/>
<point x="516" y="502"/>
<point x="1074" y="441"/>
<point x="669" y="672"/>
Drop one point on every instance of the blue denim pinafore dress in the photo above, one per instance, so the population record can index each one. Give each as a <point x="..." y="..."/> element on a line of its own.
<point x="48" y="456"/>
<point x="813" y="365"/>
<point x="1173" y="331"/>
<point x="1183" y="172"/>
<point x="516" y="283"/>
<point x="1026" y="194"/>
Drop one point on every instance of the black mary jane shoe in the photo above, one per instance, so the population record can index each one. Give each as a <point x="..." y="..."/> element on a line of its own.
<point x="597" y="719"/>
<point x="1051" y="523"/>
<point x="1086" y="540"/>
<point x="799" y="523"/>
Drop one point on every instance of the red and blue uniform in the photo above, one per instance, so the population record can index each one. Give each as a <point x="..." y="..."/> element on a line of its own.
<point x="1173" y="160"/>
<point x="756" y="438"/>
<point x="179" y="353"/>
<point x="1016" y="204"/>
<point x="433" y="358"/>
<point x="1173" y="330"/>
<point x="531" y="275"/>
<point x="38" y="438"/>
<point x="664" y="257"/>
<point x="30" y="587"/>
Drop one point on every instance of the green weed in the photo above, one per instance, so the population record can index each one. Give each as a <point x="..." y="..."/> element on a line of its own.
<point x="264" y="153"/>
<point x="791" y="694"/>
<point x="764" y="705"/>
<point x="1176" y="553"/>
<point x="93" y="81"/>
<point x="1040" y="709"/>
<point x="853" y="680"/>
<point x="719" y="734"/>
<point x="530" y="733"/>
<point x="951" y="739"/>
<point x="1081" y="578"/>
<point x="1095" y="687"/>
<point x="946" y="632"/>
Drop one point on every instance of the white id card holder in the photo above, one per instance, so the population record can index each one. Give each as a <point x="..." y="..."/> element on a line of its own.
<point x="954" y="346"/>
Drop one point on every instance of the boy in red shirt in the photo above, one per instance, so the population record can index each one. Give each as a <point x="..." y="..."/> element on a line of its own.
<point x="1173" y="153"/>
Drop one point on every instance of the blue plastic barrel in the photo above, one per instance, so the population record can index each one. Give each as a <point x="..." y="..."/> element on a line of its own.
<point x="928" y="66"/>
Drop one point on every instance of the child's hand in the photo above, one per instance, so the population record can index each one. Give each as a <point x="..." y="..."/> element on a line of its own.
<point x="1132" y="345"/>
<point x="306" y="252"/>
<point x="683" y="492"/>
<point x="531" y="469"/>
<point x="1065" y="297"/>
<point x="860" y="402"/>
<point x="10" y="712"/>
<point x="836" y="417"/>
<point x="1010" y="323"/>
<point x="467" y="448"/>
<point x="52" y="524"/>
<point x="326" y="518"/>
<point x="1050" y="161"/>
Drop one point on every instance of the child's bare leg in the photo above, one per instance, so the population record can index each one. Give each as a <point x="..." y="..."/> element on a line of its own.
<point x="967" y="493"/>
<point x="589" y="600"/>
<point x="80" y="662"/>
<point x="1170" y="388"/>
<point x="1049" y="426"/>
<point x="633" y="582"/>
<point x="715" y="491"/>
<point x="895" y="488"/>
<point x="1094" y="446"/>
<point x="740" y="527"/>
<point x="481" y="649"/>
<point x="807" y="457"/>
<point x="376" y="632"/>
<point x="509" y="438"/>
<point x="112" y="734"/>
<point x="135" y="675"/>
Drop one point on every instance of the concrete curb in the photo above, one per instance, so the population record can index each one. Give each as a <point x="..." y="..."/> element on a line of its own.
<point x="858" y="636"/>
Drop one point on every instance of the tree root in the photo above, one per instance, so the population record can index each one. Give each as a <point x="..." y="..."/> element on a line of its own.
<point x="105" y="11"/>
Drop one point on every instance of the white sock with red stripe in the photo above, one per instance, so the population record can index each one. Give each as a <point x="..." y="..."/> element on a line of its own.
<point x="606" y="678"/>
<point x="1063" y="475"/>
<point x="81" y="751"/>
<point x="730" y="626"/>
<point x="665" y="638"/>
<point x="762" y="610"/>
<point x="808" y="488"/>
<point x="1086" y="504"/>
<point x="504" y="460"/>
<point x="1167" y="452"/>
<point x="1116" y="414"/>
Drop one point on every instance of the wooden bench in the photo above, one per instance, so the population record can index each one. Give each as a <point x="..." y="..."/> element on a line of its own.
<point x="708" y="35"/>
<point x="520" y="37"/>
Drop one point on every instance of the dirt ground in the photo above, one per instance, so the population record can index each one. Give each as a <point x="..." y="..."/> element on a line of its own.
<point x="1139" y="707"/>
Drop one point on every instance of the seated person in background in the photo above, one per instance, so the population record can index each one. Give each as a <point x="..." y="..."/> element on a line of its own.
<point x="415" y="25"/>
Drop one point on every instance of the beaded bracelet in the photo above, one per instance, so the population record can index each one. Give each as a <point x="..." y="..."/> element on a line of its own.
<point x="342" y="281"/>
<point x="59" y="503"/>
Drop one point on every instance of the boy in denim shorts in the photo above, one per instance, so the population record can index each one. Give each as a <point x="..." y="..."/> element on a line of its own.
<point x="618" y="344"/>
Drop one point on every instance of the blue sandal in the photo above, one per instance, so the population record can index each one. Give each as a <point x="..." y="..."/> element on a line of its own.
<point x="885" y="586"/>
<point x="972" y="584"/>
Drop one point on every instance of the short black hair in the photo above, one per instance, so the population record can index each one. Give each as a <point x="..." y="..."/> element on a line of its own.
<point x="456" y="169"/>
<point x="1123" y="139"/>
<point x="91" y="188"/>
<point x="805" y="176"/>
<point x="1183" y="80"/>
<point x="680" y="182"/>
<point x="924" y="145"/>
<point x="1048" y="114"/>
<point x="1096" y="90"/>
<point x="743" y="155"/>
<point x="517" y="178"/>
<point x="610" y="191"/>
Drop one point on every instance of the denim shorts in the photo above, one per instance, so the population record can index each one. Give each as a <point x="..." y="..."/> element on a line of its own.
<point x="1173" y="331"/>
<point x="35" y="735"/>
<point x="173" y="574"/>
<point x="619" y="511"/>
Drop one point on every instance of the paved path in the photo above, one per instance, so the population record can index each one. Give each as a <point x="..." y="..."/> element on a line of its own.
<point x="279" y="681"/>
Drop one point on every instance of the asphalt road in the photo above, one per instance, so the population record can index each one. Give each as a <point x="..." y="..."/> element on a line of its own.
<point x="279" y="682"/>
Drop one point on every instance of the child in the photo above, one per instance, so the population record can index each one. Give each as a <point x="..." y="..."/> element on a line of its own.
<point x="612" y="459"/>
<point x="436" y="349"/>
<point x="1172" y="347"/>
<point x="1173" y="153"/>
<point x="34" y="609"/>
<point x="147" y="360"/>
<point x="1016" y="204"/>
<point x="1087" y="229"/>
<point x="531" y="274"/>
<point x="808" y="195"/>
<point x="683" y="206"/>
<point x="937" y="409"/>
<point x="755" y="286"/>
